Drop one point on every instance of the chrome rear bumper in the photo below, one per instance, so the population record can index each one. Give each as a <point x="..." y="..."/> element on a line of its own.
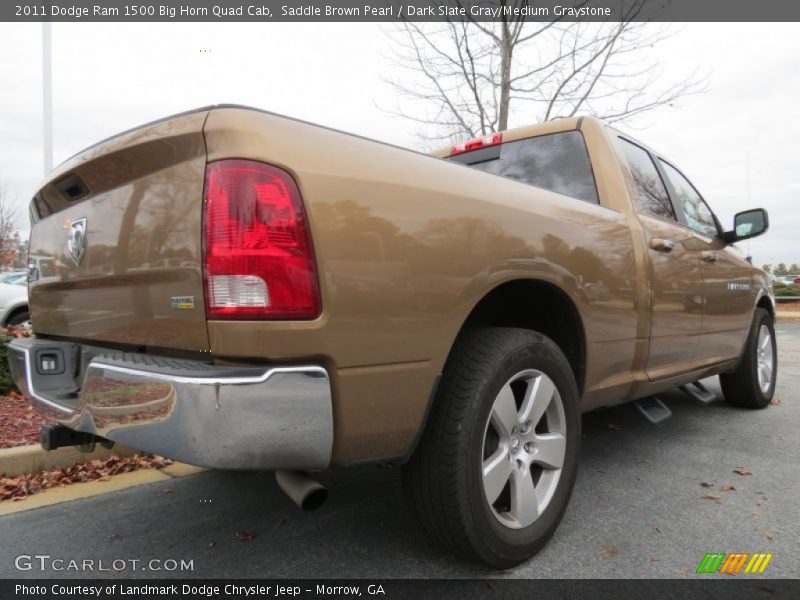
<point x="222" y="417"/>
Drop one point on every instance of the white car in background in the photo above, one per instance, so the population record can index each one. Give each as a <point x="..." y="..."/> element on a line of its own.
<point x="14" y="302"/>
<point x="14" y="277"/>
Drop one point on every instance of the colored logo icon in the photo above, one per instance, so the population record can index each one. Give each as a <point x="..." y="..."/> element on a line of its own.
<point x="735" y="563"/>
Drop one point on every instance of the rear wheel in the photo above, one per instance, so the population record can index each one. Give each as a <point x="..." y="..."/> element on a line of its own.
<point x="752" y="383"/>
<point x="497" y="461"/>
<point x="20" y="319"/>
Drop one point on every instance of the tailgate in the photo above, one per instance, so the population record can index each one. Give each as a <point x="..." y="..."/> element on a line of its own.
<point x="115" y="243"/>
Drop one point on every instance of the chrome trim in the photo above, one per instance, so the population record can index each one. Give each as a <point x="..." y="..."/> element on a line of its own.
<point x="277" y="418"/>
<point x="28" y="389"/>
<point x="209" y="380"/>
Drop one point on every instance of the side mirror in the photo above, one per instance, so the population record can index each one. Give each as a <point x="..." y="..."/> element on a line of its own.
<point x="747" y="224"/>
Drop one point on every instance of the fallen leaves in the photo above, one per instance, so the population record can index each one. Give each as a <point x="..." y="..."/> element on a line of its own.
<point x="244" y="536"/>
<point x="19" y="487"/>
<point x="742" y="471"/>
<point x="765" y="533"/>
<point x="724" y="488"/>
<point x="19" y="424"/>
<point x="609" y="552"/>
<point x="775" y="402"/>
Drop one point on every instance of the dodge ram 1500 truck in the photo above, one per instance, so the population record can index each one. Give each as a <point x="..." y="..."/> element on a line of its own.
<point x="236" y="289"/>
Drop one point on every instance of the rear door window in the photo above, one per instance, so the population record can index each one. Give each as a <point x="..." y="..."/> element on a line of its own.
<point x="558" y="162"/>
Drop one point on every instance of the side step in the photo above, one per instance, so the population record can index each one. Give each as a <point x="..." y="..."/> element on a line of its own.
<point x="653" y="409"/>
<point x="698" y="392"/>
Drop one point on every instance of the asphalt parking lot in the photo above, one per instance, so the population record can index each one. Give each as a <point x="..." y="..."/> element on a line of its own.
<point x="638" y="509"/>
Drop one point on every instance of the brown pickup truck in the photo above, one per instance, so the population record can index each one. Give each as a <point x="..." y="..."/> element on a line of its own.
<point x="241" y="290"/>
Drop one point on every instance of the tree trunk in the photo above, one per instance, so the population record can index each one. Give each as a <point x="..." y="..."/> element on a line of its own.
<point x="506" y="51"/>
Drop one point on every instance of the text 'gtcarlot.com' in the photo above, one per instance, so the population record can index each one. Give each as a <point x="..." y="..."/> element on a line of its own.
<point x="46" y="562"/>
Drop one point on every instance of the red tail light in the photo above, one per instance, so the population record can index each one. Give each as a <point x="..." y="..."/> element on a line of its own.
<point x="259" y="262"/>
<point x="481" y="142"/>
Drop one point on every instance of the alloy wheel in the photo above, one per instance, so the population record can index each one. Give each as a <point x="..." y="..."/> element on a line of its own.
<point x="524" y="448"/>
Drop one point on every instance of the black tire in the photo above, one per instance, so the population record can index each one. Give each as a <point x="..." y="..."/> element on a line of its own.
<point x="443" y="481"/>
<point x="19" y="318"/>
<point x="741" y="387"/>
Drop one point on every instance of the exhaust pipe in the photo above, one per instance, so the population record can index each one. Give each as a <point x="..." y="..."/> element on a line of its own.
<point x="309" y="494"/>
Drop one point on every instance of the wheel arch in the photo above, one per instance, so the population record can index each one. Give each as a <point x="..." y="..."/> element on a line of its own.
<point x="527" y="303"/>
<point x="15" y="310"/>
<point x="540" y="306"/>
<point x="767" y="304"/>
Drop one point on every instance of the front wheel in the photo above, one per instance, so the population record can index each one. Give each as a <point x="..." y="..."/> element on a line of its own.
<point x="497" y="461"/>
<point x="752" y="383"/>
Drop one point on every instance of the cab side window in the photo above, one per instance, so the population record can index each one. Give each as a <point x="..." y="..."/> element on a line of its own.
<point x="698" y="216"/>
<point x="652" y="196"/>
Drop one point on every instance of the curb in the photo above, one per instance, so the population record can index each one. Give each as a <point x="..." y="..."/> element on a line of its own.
<point x="88" y="489"/>
<point x="32" y="459"/>
<point x="787" y="315"/>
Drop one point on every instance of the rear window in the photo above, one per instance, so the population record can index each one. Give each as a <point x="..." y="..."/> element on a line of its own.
<point x="557" y="162"/>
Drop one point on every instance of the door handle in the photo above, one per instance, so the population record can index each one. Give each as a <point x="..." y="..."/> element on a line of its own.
<point x="709" y="256"/>
<point x="662" y="245"/>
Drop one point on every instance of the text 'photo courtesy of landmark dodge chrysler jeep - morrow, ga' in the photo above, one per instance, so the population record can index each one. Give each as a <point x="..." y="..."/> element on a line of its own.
<point x="241" y="290"/>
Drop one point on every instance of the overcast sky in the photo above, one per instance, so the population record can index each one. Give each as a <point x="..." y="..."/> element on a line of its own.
<point x="111" y="77"/>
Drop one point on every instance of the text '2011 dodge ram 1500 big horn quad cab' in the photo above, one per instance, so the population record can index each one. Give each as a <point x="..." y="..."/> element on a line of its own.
<point x="240" y="290"/>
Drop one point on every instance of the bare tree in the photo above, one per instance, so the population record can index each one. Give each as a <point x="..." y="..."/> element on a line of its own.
<point x="462" y="78"/>
<point x="9" y="236"/>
